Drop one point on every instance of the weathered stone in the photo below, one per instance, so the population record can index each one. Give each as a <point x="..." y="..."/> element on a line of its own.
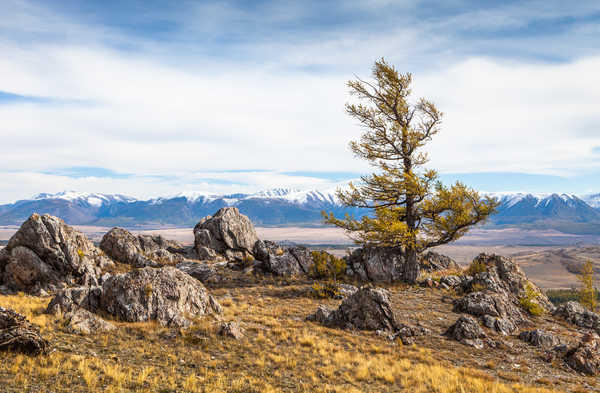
<point x="71" y="299"/>
<point x="47" y="254"/>
<point x="84" y="322"/>
<point x="203" y="272"/>
<point x="284" y="260"/>
<point x="585" y="357"/>
<point x="17" y="334"/>
<point x="377" y="264"/>
<point x="141" y="250"/>
<point x="496" y="309"/>
<point x="228" y="233"/>
<point x="539" y="338"/>
<point x="451" y="281"/>
<point x="467" y="331"/>
<point x="574" y="313"/>
<point x="432" y="261"/>
<point x="166" y="294"/>
<point x="231" y="329"/>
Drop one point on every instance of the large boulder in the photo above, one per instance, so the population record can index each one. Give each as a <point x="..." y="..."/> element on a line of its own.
<point x="283" y="260"/>
<point x="467" y="331"/>
<point x="140" y="250"/>
<point x="71" y="299"/>
<point x="82" y="321"/>
<point x="203" y="272"/>
<point x="496" y="310"/>
<point x="17" y="334"/>
<point x="166" y="295"/>
<point x="47" y="254"/>
<point x="432" y="261"/>
<point x="539" y="338"/>
<point x="367" y="309"/>
<point x="574" y="313"/>
<point x="585" y="357"/>
<point x="227" y="234"/>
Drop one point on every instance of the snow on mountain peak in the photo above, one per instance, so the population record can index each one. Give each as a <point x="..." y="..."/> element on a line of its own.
<point x="93" y="199"/>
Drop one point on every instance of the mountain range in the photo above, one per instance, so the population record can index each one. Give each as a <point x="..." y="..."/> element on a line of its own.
<point x="279" y="207"/>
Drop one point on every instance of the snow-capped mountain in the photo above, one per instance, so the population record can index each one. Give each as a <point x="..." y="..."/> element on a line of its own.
<point x="284" y="206"/>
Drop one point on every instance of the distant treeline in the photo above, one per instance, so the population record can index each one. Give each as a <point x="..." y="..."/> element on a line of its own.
<point x="558" y="296"/>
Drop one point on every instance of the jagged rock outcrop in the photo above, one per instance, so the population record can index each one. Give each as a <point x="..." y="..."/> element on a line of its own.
<point x="366" y="309"/>
<point x="283" y="260"/>
<point x="574" y="313"/>
<point x="141" y="250"/>
<point x="495" y="293"/>
<point x="71" y="299"/>
<point x="17" y="334"/>
<point x="496" y="309"/>
<point x="46" y="254"/>
<point x="585" y="357"/>
<point x="82" y="321"/>
<point x="166" y="295"/>
<point x="227" y="234"/>
<point x="387" y="264"/>
<point x="467" y="331"/>
<point x="539" y="338"/>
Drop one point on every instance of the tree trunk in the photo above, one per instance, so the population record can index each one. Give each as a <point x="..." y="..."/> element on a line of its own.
<point x="411" y="266"/>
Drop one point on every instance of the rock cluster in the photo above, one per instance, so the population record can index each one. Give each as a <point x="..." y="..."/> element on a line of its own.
<point x="166" y="295"/>
<point x="228" y="234"/>
<point x="585" y="357"/>
<point x="574" y="313"/>
<point x="141" y="250"/>
<point x="366" y="309"/>
<point x="283" y="260"/>
<point x="46" y="254"/>
<point x="17" y="334"/>
<point x="387" y="264"/>
<point x="539" y="338"/>
<point x="467" y="331"/>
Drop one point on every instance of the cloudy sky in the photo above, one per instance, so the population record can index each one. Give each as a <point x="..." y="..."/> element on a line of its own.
<point x="150" y="98"/>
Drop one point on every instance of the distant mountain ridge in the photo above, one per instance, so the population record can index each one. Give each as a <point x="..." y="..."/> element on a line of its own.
<point x="285" y="206"/>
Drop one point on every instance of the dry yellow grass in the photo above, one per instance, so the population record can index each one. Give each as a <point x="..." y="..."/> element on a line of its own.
<point x="280" y="353"/>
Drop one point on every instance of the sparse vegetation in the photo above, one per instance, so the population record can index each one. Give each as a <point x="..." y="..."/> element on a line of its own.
<point x="327" y="265"/>
<point x="476" y="267"/>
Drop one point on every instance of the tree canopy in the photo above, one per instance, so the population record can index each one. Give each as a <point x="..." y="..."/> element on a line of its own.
<point x="412" y="209"/>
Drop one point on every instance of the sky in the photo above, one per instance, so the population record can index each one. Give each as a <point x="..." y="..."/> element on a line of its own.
<point x="152" y="98"/>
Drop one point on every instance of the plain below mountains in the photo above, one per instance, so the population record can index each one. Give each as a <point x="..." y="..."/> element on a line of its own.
<point x="284" y="207"/>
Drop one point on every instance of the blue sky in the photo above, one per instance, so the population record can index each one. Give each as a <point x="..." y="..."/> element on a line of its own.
<point x="151" y="98"/>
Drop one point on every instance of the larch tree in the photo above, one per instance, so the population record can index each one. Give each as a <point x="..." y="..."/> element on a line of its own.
<point x="587" y="294"/>
<point x="411" y="209"/>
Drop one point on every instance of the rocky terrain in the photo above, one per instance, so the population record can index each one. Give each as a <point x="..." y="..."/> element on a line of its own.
<point x="233" y="312"/>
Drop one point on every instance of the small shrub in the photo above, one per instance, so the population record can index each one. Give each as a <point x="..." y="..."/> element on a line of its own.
<point x="80" y="253"/>
<point x="247" y="260"/>
<point x="529" y="301"/>
<point x="326" y="265"/>
<point x="477" y="266"/>
<point x="148" y="290"/>
<point x="279" y="251"/>
<point x="326" y="290"/>
<point x="477" y="287"/>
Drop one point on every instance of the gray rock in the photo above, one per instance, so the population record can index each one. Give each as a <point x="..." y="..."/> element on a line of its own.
<point x="377" y="264"/>
<point x="166" y="295"/>
<point x="228" y="233"/>
<point x="231" y="329"/>
<point x="203" y="272"/>
<point x="47" y="254"/>
<point x="72" y="299"/>
<point x="574" y="313"/>
<point x="141" y="250"/>
<point x="540" y="338"/>
<point x="467" y="331"/>
<point x="451" y="281"/>
<point x="496" y="310"/>
<point x="432" y="261"/>
<point x="585" y="357"/>
<point x="284" y="260"/>
<point x="84" y="322"/>
<point x="18" y="335"/>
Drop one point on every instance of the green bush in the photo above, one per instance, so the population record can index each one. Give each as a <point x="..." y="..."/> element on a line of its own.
<point x="326" y="265"/>
<point x="326" y="289"/>
<point x="477" y="266"/>
<point x="529" y="301"/>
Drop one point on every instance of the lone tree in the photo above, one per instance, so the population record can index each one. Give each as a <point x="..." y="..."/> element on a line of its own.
<point x="587" y="293"/>
<point x="411" y="208"/>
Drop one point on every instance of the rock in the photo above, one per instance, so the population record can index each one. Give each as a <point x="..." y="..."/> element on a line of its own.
<point x="585" y="357"/>
<point x="231" y="329"/>
<point x="467" y="331"/>
<point x="141" y="250"/>
<point x="17" y="334"/>
<point x="539" y="338"/>
<point x="497" y="310"/>
<point x="574" y="313"/>
<point x="451" y="281"/>
<point x="432" y="261"/>
<point x="165" y="294"/>
<point x="284" y="260"/>
<point x="377" y="264"/>
<point x="84" y="322"/>
<point x="228" y="233"/>
<point x="347" y="290"/>
<point x="45" y="253"/>
<point x="203" y="272"/>
<point x="71" y="299"/>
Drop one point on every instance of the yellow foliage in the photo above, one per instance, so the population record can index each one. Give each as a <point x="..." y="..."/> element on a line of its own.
<point x="587" y="293"/>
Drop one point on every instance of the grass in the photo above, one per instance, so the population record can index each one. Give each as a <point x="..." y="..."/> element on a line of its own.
<point x="280" y="353"/>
